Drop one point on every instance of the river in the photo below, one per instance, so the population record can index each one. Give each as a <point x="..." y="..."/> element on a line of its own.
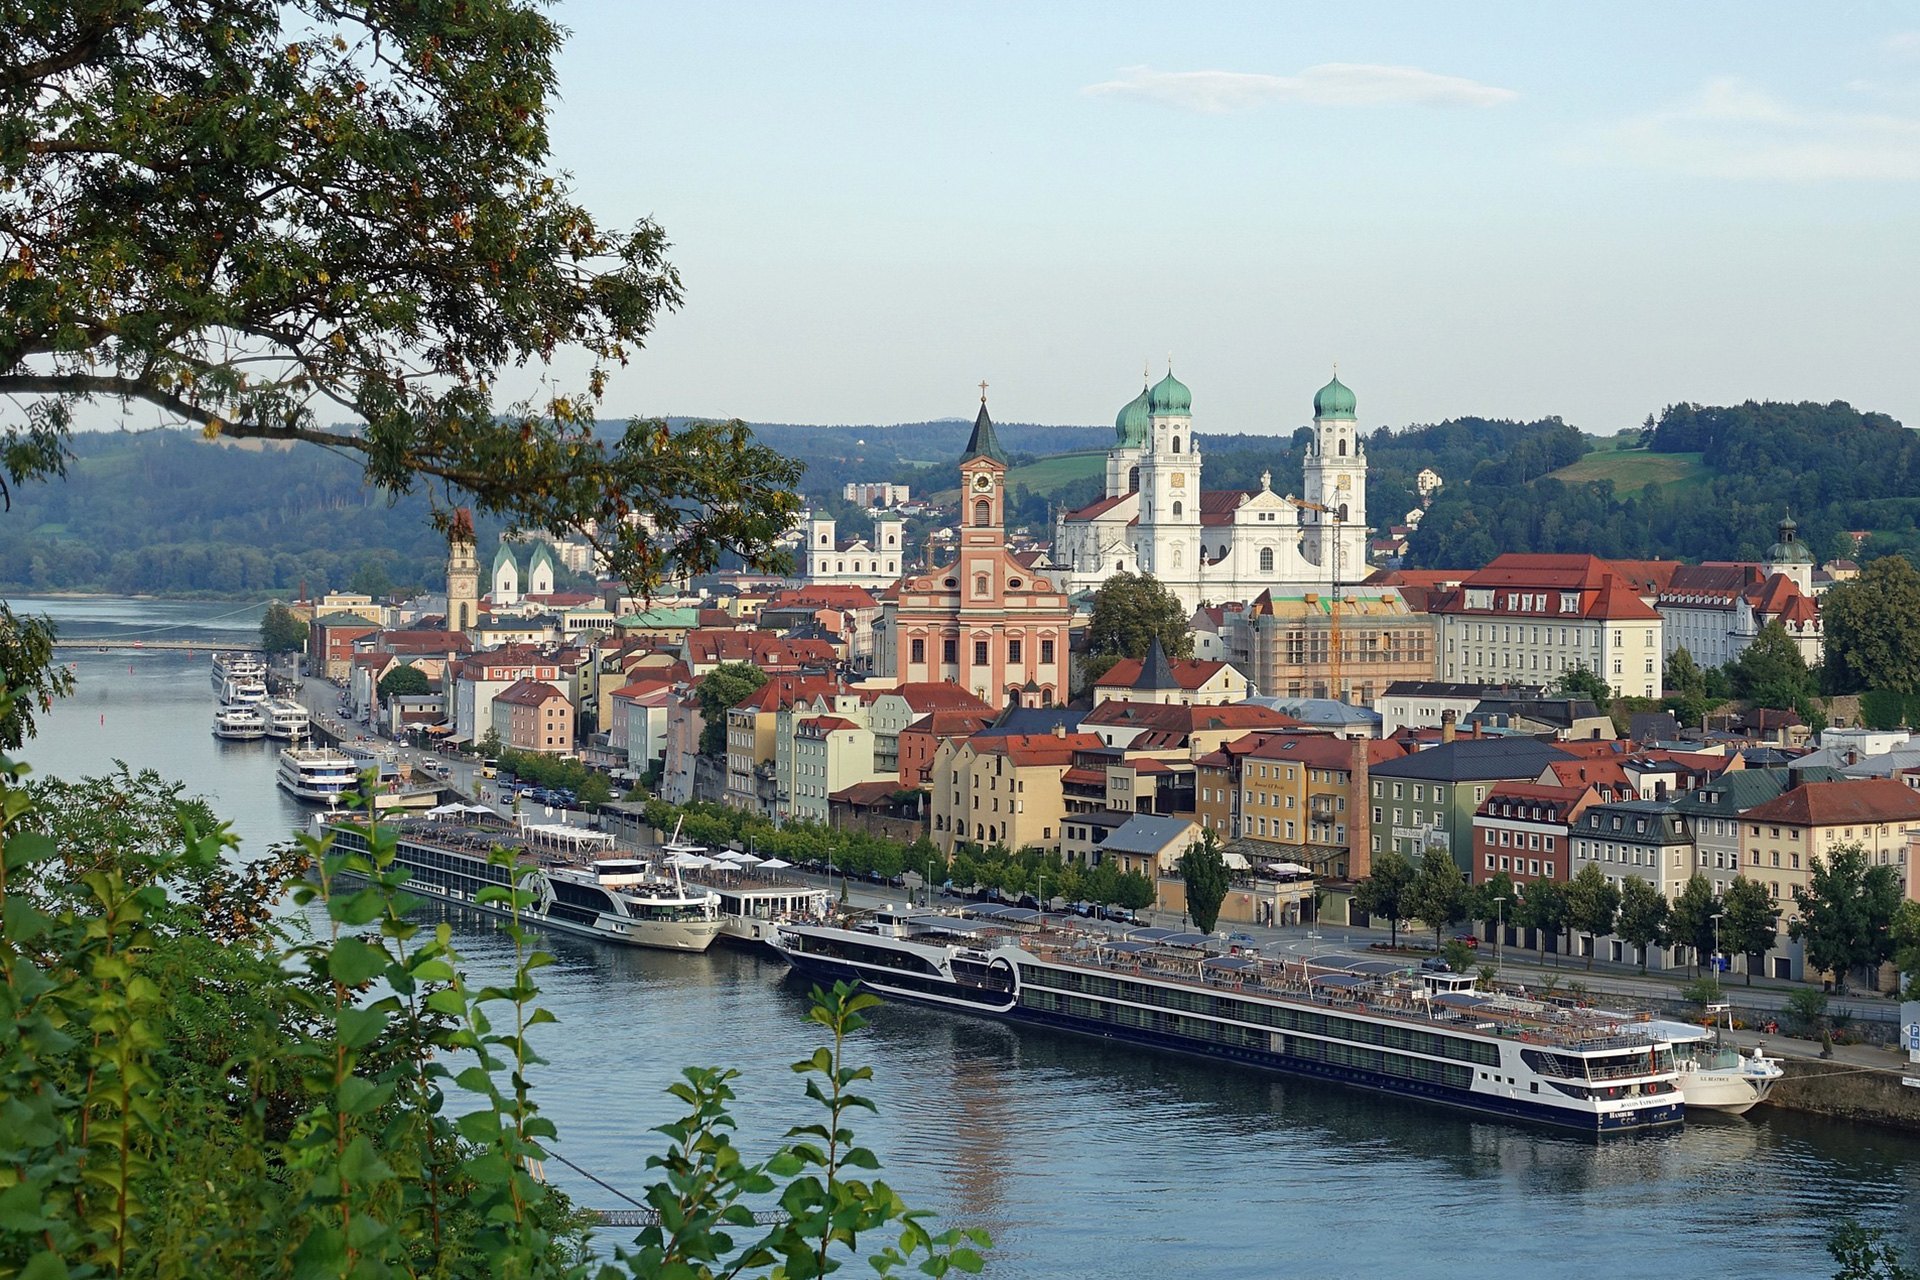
<point x="1081" y="1158"/>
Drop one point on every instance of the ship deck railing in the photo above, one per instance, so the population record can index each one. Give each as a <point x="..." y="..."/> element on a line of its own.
<point x="1560" y="1029"/>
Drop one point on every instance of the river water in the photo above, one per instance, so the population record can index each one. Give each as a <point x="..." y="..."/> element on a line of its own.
<point x="1082" y="1159"/>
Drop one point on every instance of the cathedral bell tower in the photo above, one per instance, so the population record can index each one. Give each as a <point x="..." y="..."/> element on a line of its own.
<point x="1169" y="529"/>
<point x="1336" y="486"/>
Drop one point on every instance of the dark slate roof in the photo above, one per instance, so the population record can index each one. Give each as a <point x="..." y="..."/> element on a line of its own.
<point x="1155" y="673"/>
<point x="984" y="443"/>
<point x="1475" y="760"/>
<point x="1024" y="721"/>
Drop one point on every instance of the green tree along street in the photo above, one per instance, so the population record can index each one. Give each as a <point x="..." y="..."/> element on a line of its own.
<point x="404" y="681"/>
<point x="1751" y="926"/>
<point x="726" y="686"/>
<point x="163" y="1019"/>
<point x="1385" y="892"/>
<point x="1204" y="871"/>
<point x="1691" y="922"/>
<point x="1544" y="910"/>
<point x="1592" y="905"/>
<point x="1579" y="682"/>
<point x="1130" y="612"/>
<point x="1643" y="916"/>
<point x="1438" y="895"/>
<point x="1906" y="947"/>
<point x="1846" y="914"/>
<point x="282" y="631"/>
<point x="1870" y="628"/>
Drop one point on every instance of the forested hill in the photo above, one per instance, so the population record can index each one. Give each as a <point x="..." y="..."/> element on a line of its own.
<point x="1732" y="473"/>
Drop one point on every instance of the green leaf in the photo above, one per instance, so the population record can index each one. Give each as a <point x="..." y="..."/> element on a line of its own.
<point x="360" y="1027"/>
<point x="44" y="1265"/>
<point x="353" y="962"/>
<point x="359" y="1163"/>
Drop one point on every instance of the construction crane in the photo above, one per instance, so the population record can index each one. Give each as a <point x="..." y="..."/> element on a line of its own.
<point x="1333" y="613"/>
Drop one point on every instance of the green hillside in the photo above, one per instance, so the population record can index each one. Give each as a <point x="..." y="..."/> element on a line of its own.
<point x="1048" y="475"/>
<point x="1634" y="469"/>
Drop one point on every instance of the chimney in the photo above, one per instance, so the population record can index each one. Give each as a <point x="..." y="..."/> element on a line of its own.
<point x="1359" y="829"/>
<point x="1660" y="789"/>
<point x="1059" y="730"/>
<point x="1447" y="728"/>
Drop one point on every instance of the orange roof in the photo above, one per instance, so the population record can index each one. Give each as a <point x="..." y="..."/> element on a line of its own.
<point x="1826" y="804"/>
<point x="823" y="596"/>
<point x="1322" y="750"/>
<point x="923" y="696"/>
<point x="1188" y="673"/>
<point x="529" y="693"/>
<point x="951" y="722"/>
<point x="1038" y="748"/>
<point x="782" y="691"/>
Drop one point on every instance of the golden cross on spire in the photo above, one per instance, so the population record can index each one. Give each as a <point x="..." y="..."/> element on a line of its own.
<point x="983" y="391"/>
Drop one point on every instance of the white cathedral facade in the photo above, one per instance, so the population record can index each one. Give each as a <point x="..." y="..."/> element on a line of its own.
<point x="1215" y="546"/>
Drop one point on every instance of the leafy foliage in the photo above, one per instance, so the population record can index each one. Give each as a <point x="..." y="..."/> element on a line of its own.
<point x="1387" y="889"/>
<point x="282" y="631"/>
<point x="159" y="1020"/>
<point x="1579" y="682"/>
<point x="1438" y="895"/>
<point x="1752" y="923"/>
<point x="1130" y="612"/>
<point x="1862" y="1253"/>
<point x="1204" y="871"/>
<point x="1691" y="922"/>
<point x="405" y="680"/>
<point x="26" y="665"/>
<point x="1592" y="903"/>
<point x="1846" y="912"/>
<point x="719" y="691"/>
<point x="1544" y="909"/>
<point x="1643" y="916"/>
<point x="1869" y="627"/>
<point x="250" y="215"/>
<point x="1770" y="671"/>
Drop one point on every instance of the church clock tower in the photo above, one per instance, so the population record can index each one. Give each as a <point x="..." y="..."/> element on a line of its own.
<point x="983" y="484"/>
<point x="463" y="573"/>
<point x="1336" y="482"/>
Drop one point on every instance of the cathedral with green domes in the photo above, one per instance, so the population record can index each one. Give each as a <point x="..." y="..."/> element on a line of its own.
<point x="1211" y="546"/>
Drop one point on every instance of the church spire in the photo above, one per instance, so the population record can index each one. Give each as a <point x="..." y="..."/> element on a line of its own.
<point x="984" y="443"/>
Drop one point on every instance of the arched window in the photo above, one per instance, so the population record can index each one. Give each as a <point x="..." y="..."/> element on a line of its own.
<point x="1176" y="510"/>
<point x="1343" y="448"/>
<point x="1176" y="555"/>
<point x="1266" y="559"/>
<point x="839" y="566"/>
<point x="980" y="585"/>
<point x="982" y="514"/>
<point x="1343" y="512"/>
<point x="1176" y="444"/>
<point x="823" y="539"/>
<point x="1133" y="480"/>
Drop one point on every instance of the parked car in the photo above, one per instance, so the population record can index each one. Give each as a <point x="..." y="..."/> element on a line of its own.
<point x="1243" y="939"/>
<point x="1466" y="939"/>
<point x="1436" y="964"/>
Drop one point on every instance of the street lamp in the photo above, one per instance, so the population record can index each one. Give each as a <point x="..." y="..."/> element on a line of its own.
<point x="1717" y="917"/>
<point x="1499" y="927"/>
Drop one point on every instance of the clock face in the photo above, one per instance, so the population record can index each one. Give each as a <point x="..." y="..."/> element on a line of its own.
<point x="1179" y="480"/>
<point x="1344" y="482"/>
<point x="982" y="482"/>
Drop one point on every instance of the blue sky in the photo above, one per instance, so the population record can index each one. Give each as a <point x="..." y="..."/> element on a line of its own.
<point x="1507" y="210"/>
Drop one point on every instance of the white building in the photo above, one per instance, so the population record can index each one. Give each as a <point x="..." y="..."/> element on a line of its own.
<point x="1714" y="611"/>
<point x="1526" y="619"/>
<point x="873" y="562"/>
<point x="1219" y="545"/>
<point x="875" y="493"/>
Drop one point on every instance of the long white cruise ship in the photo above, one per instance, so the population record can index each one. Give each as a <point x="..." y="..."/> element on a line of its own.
<point x="1363" y="1022"/>
<point x="320" y="774"/>
<point x="231" y="666"/>
<point x="614" y="897"/>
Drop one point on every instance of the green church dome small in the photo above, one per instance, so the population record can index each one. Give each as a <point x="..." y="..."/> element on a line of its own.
<point x="1131" y="426"/>
<point x="1335" y="400"/>
<point x="1170" y="395"/>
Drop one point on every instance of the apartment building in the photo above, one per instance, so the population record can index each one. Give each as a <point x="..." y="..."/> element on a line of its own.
<point x="1523" y="831"/>
<point x="1429" y="799"/>
<point x="1003" y="789"/>
<point x="1781" y="839"/>
<point x="1533" y="617"/>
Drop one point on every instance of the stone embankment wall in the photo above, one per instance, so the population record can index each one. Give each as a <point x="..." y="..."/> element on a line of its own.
<point x="1868" y="1095"/>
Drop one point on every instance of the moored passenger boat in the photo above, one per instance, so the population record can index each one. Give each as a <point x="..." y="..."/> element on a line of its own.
<point x="317" y="773"/>
<point x="239" y="723"/>
<point x="752" y="902"/>
<point x="1714" y="1074"/>
<point x="616" y="898"/>
<point x="1334" y="1020"/>
<point x="287" y="721"/>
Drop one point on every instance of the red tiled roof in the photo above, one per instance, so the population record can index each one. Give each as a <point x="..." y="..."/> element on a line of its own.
<point x="1218" y="505"/>
<point x="1649" y="577"/>
<point x="1827" y="804"/>
<point x="821" y="725"/>
<point x="1099" y="508"/>
<point x="922" y="696"/>
<point x="1322" y="750"/>
<point x="1188" y="673"/>
<point x="823" y="596"/>
<point x="1038" y="748"/>
<point x="529" y="693"/>
<point x="1085" y="777"/>
<point x="1561" y="801"/>
<point x="865" y="794"/>
<point x="782" y="691"/>
<point x="951" y="722"/>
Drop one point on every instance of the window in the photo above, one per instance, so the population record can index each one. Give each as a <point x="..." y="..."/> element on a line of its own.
<point x="1013" y="651"/>
<point x="1266" y="559"/>
<point x="950" y="651"/>
<point x="983" y="515"/>
<point x="919" y="651"/>
<point x="980" y="588"/>
<point x="1046" y="653"/>
<point x="1176" y="504"/>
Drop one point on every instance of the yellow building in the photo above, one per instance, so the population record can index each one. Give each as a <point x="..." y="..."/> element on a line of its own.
<point x="1781" y="840"/>
<point x="1003" y="789"/>
<point x="1285" y="644"/>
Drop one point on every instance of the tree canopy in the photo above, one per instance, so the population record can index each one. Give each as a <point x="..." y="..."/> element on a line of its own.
<point x="1871" y="628"/>
<point x="1643" y="918"/>
<point x="267" y="219"/>
<point x="1204" y="871"/>
<point x="721" y="689"/>
<point x="1130" y="612"/>
<point x="1771" y="671"/>
<point x="1438" y="895"/>
<point x="282" y="631"/>
<point x="1751" y="925"/>
<point x="1386" y="890"/>
<point x="405" y="680"/>
<point x="1592" y="903"/>
<point x="1846" y="913"/>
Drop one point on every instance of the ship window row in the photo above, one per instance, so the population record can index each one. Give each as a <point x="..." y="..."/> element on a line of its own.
<point x="1379" y="1062"/>
<point x="1284" y="1018"/>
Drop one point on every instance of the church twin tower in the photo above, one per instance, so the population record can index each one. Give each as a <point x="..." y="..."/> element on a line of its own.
<point x="1212" y="546"/>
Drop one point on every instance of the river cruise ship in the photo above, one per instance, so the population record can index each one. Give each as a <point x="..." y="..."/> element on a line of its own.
<point x="616" y="898"/>
<point x="320" y="774"/>
<point x="1357" y="1021"/>
<point x="230" y="665"/>
<point x="287" y="721"/>
<point x="1714" y="1074"/>
<point x="239" y="724"/>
